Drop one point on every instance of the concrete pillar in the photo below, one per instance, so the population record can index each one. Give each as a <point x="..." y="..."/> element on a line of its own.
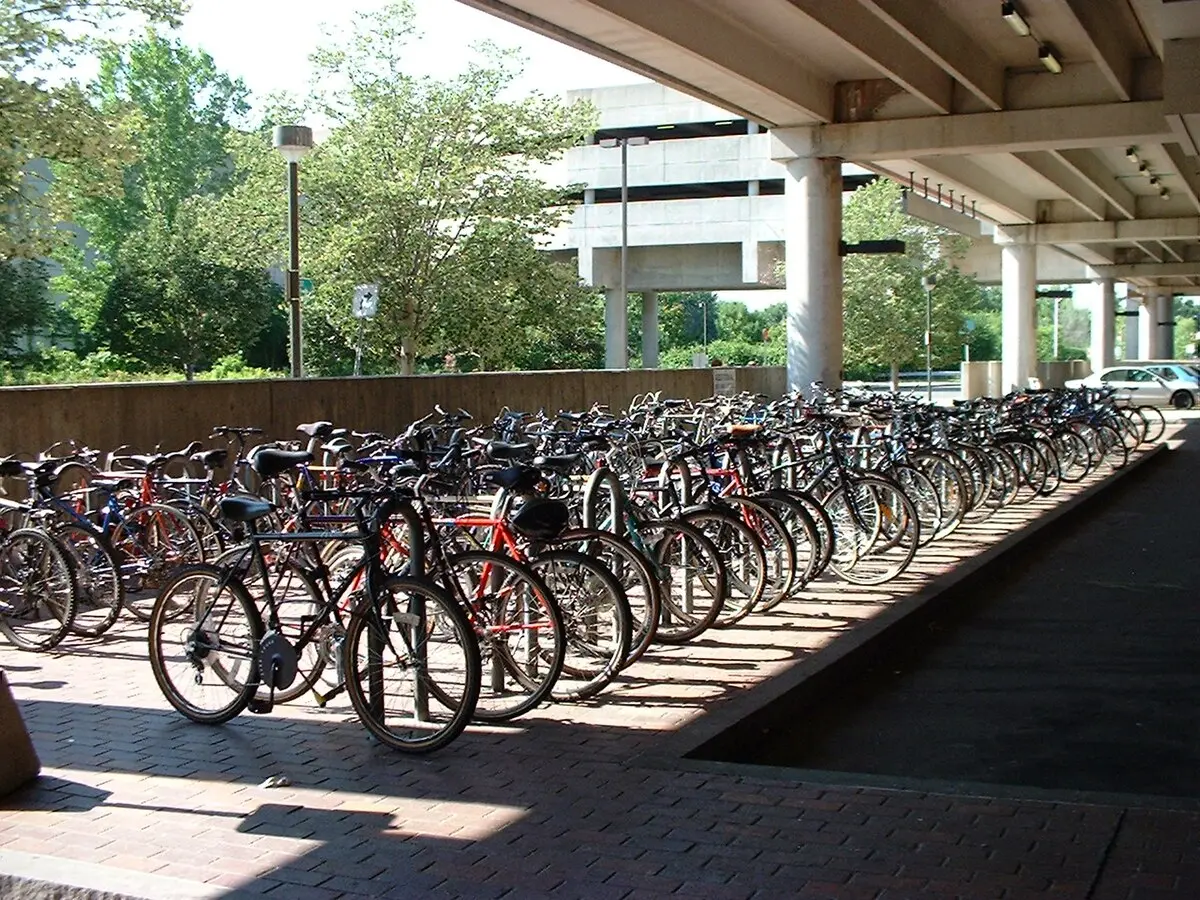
<point x="1018" y="287"/>
<point x="649" y="329"/>
<point x="1147" y="329"/>
<point x="1131" y="328"/>
<point x="1103" y="321"/>
<point x="1166" y="326"/>
<point x="813" y="225"/>
<point x="616" y="330"/>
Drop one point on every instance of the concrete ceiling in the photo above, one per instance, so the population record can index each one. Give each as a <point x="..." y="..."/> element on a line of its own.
<point x="946" y="90"/>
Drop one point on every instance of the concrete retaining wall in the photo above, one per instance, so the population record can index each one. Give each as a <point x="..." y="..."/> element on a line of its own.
<point x="984" y="378"/>
<point x="170" y="415"/>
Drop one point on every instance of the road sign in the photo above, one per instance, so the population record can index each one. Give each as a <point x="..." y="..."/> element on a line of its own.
<point x="306" y="285"/>
<point x="366" y="301"/>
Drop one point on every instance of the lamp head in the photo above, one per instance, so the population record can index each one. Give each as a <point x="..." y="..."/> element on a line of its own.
<point x="293" y="141"/>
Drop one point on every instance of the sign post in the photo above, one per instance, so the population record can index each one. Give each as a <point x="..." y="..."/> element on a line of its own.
<point x="364" y="306"/>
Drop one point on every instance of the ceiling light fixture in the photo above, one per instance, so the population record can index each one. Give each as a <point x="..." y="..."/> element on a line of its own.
<point x="1131" y="154"/>
<point x="1164" y="193"/>
<point x="1013" y="17"/>
<point x="1050" y="59"/>
<point x="1144" y="169"/>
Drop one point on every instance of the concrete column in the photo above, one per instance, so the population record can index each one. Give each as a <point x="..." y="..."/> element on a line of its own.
<point x="813" y="225"/>
<point x="616" y="330"/>
<point x="1103" y="321"/>
<point x="1148" y="328"/>
<point x="1018" y="286"/>
<point x="1131" y="329"/>
<point x="649" y="329"/>
<point x="1166" y="327"/>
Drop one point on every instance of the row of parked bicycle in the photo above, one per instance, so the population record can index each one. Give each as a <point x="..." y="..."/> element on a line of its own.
<point x="460" y="572"/>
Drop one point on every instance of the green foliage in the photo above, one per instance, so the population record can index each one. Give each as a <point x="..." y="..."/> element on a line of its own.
<point x="169" y="306"/>
<point x="56" y="123"/>
<point x="233" y="366"/>
<point x="885" y="301"/>
<point x="24" y="303"/>
<point x="429" y="189"/>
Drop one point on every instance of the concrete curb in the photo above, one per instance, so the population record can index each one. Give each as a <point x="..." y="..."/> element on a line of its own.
<point x="708" y="735"/>
<point x="31" y="876"/>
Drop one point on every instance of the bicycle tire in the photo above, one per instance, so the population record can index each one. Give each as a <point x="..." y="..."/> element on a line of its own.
<point x="439" y="661"/>
<point x="298" y="601"/>
<point x="687" y="560"/>
<point x="777" y="543"/>
<point x="150" y="541"/>
<point x="205" y="627"/>
<point x="635" y="575"/>
<point x="520" y="630"/>
<point x="880" y="509"/>
<point x="736" y="542"/>
<point x="37" y="590"/>
<point x="100" y="592"/>
<point x="596" y="617"/>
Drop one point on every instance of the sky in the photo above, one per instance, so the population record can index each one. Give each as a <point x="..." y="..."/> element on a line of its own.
<point x="266" y="43"/>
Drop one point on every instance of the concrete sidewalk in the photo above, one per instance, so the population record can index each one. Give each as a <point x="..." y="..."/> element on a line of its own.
<point x="593" y="800"/>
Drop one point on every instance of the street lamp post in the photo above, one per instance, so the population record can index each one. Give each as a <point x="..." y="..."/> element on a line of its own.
<point x="622" y="339"/>
<point x="294" y="142"/>
<point x="928" y="282"/>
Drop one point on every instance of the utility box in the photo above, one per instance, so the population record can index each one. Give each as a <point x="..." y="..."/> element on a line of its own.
<point x="19" y="762"/>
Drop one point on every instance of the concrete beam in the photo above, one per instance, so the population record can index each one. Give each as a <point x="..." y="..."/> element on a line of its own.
<point x="876" y="42"/>
<point x="965" y="175"/>
<point x="1069" y="128"/>
<point x="937" y="214"/>
<point x="1088" y="166"/>
<point x="1101" y="232"/>
<point x="509" y="13"/>
<point x="1078" y="191"/>
<point x="1188" y="170"/>
<point x="1149" y="270"/>
<point x="1108" y="48"/>
<point x="741" y="54"/>
<point x="946" y="44"/>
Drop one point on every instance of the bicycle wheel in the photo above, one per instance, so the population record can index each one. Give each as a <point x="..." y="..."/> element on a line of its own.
<point x="596" y="618"/>
<point x="1075" y="462"/>
<point x="804" y="536"/>
<point x="635" y="575"/>
<point x="944" y="475"/>
<point x="204" y="638"/>
<point x="1154" y="423"/>
<point x="37" y="590"/>
<point x="777" y="544"/>
<point x="522" y="638"/>
<point x="692" y="575"/>
<point x="298" y="603"/>
<point x="920" y="490"/>
<point x="150" y="541"/>
<point x="412" y="667"/>
<point x="744" y="557"/>
<point x="877" y="530"/>
<point x="99" y="591"/>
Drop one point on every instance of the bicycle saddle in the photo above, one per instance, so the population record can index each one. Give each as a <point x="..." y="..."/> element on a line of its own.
<point x="244" y="509"/>
<point x="269" y="462"/>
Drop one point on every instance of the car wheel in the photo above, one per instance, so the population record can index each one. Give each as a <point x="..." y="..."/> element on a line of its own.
<point x="1183" y="400"/>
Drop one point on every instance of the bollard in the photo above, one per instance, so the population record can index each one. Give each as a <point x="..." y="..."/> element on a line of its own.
<point x="19" y="763"/>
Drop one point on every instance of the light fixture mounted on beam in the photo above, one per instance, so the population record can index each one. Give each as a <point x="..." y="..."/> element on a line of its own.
<point x="1131" y="155"/>
<point x="1050" y="59"/>
<point x="1016" y="21"/>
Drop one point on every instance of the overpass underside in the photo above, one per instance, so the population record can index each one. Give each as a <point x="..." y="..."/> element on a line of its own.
<point x="1068" y="128"/>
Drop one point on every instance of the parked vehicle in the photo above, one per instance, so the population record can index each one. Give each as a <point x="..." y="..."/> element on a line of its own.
<point x="1140" y="385"/>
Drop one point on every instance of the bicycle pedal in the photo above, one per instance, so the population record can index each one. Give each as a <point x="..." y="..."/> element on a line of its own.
<point x="320" y="698"/>
<point x="260" y="707"/>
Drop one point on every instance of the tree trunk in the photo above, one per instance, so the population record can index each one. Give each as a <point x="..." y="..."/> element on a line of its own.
<point x="189" y="372"/>
<point x="895" y="376"/>
<point x="407" y="354"/>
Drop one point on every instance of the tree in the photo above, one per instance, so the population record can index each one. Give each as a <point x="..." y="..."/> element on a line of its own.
<point x="40" y="121"/>
<point x="177" y="110"/>
<point x="171" y="307"/>
<point x="885" y="301"/>
<point x="430" y="190"/>
<point x="24" y="303"/>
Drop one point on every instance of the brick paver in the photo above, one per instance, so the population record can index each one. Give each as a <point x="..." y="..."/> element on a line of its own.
<point x="588" y="801"/>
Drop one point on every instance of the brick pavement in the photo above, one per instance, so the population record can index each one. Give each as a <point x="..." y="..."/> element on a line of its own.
<point x="589" y="800"/>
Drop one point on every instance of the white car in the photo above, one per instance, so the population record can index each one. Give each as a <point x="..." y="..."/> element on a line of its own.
<point x="1181" y="371"/>
<point x="1142" y="387"/>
